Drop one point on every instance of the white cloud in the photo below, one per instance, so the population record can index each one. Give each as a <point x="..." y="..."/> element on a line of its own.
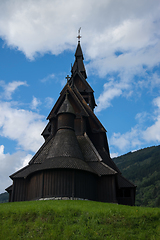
<point x="9" y="164"/>
<point x="49" y="102"/>
<point x="108" y="27"/>
<point x="152" y="133"/>
<point x="139" y="134"/>
<point x="35" y="103"/>
<point x="51" y="25"/>
<point x="10" y="88"/>
<point x="50" y="76"/>
<point x="114" y="155"/>
<point x="22" y="126"/>
<point x="128" y="140"/>
<point x="111" y="89"/>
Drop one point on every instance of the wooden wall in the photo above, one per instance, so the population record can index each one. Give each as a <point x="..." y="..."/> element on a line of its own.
<point x="19" y="190"/>
<point x="56" y="183"/>
<point x="126" y="196"/>
<point x="107" y="189"/>
<point x="85" y="185"/>
<point x="71" y="183"/>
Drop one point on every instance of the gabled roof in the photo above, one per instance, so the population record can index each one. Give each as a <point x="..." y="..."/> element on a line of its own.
<point x="60" y="100"/>
<point x="93" y="158"/>
<point x="78" y="64"/>
<point x="81" y="77"/>
<point x="89" y="151"/>
<point x="107" y="160"/>
<point x="55" y="163"/>
<point x="89" y="110"/>
<point x="50" y="156"/>
<point x="8" y="189"/>
<point x="124" y="183"/>
<point x="81" y="104"/>
<point x="66" y="107"/>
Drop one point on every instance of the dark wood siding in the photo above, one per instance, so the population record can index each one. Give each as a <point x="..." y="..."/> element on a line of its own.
<point x="126" y="196"/>
<point x="35" y="186"/>
<point x="19" y="190"/>
<point x="85" y="185"/>
<point x="107" y="189"/>
<point x="58" y="183"/>
<point x="71" y="183"/>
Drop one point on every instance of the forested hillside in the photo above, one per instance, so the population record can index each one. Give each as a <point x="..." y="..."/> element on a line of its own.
<point x="143" y="169"/>
<point x="4" y="197"/>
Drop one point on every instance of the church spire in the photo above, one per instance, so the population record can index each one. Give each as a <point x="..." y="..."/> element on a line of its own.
<point x="78" y="65"/>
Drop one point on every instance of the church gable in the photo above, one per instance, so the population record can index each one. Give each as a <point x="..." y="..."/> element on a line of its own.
<point x="80" y="82"/>
<point x="76" y="104"/>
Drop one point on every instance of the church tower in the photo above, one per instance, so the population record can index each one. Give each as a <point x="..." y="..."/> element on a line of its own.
<point x="74" y="162"/>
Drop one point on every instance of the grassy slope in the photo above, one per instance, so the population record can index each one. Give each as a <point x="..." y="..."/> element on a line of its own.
<point x="77" y="220"/>
<point x="143" y="168"/>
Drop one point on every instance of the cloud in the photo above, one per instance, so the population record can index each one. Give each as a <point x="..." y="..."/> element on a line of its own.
<point x="9" y="164"/>
<point x="139" y="134"/>
<point x="152" y="133"/>
<point x="22" y="126"/>
<point x="50" y="76"/>
<point x="35" y="103"/>
<point x="128" y="140"/>
<point x="129" y="28"/>
<point x="111" y="89"/>
<point x="49" y="102"/>
<point x="50" y="26"/>
<point x="10" y="88"/>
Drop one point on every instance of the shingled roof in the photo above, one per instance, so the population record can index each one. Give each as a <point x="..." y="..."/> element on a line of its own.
<point x="78" y="64"/>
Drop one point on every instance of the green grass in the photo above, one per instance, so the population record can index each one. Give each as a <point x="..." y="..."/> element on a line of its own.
<point x="62" y="220"/>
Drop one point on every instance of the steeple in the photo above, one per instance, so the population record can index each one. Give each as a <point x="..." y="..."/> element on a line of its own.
<point x="78" y="65"/>
<point x="78" y="77"/>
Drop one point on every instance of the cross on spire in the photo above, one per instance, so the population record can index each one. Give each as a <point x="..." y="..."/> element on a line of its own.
<point x="67" y="78"/>
<point x="79" y="36"/>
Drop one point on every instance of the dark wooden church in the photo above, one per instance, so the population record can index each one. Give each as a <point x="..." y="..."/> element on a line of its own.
<point x="74" y="161"/>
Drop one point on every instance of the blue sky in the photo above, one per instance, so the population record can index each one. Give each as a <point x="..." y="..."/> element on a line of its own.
<point x="121" y="46"/>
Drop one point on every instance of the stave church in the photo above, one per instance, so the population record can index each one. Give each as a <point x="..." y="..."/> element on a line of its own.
<point x="74" y="162"/>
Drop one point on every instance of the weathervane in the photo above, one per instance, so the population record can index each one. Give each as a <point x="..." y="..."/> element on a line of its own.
<point x="79" y="36"/>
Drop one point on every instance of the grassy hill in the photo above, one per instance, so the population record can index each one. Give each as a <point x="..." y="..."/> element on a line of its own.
<point x="143" y="168"/>
<point x="67" y="220"/>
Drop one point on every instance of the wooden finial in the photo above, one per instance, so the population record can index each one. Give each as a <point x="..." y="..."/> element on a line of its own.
<point x="79" y="36"/>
